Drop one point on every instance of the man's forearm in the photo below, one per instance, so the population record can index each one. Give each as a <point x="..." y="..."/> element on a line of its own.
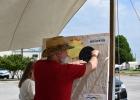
<point x="92" y="64"/>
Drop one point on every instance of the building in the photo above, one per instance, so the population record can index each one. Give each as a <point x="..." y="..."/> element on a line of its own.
<point x="131" y="65"/>
<point x="33" y="53"/>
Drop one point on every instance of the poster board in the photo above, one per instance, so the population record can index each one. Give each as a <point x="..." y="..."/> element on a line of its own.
<point x="95" y="85"/>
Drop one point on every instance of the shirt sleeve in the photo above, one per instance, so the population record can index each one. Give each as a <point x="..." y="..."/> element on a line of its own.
<point x="31" y="89"/>
<point x="73" y="71"/>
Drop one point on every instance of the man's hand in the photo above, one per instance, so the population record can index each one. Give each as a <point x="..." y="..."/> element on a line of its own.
<point x="95" y="53"/>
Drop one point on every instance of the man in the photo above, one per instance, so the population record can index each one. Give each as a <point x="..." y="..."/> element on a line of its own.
<point x="53" y="78"/>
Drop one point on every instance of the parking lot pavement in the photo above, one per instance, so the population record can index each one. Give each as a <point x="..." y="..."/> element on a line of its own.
<point x="132" y="84"/>
<point x="9" y="90"/>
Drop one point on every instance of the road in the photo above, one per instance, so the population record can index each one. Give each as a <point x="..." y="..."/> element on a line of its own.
<point x="132" y="84"/>
<point x="9" y="89"/>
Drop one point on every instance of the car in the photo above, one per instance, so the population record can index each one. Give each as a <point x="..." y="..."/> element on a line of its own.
<point x="4" y="73"/>
<point x="120" y="90"/>
<point x="118" y="68"/>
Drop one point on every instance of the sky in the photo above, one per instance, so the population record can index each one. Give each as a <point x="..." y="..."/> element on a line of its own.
<point x="93" y="17"/>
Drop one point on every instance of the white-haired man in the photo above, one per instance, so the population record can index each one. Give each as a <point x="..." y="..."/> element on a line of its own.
<point x="53" y="78"/>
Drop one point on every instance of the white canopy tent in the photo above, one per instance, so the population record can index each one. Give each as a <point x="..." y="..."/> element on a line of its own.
<point x="24" y="23"/>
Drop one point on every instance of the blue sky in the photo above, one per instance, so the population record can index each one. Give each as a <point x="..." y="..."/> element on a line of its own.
<point x="93" y="17"/>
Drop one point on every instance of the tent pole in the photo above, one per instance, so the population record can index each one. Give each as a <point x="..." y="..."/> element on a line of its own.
<point x="112" y="49"/>
<point x="22" y="52"/>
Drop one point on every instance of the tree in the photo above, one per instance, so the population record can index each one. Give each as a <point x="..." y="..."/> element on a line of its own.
<point x="14" y="63"/>
<point x="122" y="50"/>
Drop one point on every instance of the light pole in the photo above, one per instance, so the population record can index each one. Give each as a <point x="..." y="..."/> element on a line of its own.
<point x="112" y="49"/>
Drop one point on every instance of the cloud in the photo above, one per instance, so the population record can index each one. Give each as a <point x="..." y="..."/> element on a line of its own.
<point x="98" y="3"/>
<point x="100" y="6"/>
<point x="93" y="17"/>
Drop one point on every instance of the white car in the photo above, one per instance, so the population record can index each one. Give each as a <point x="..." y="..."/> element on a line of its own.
<point x="118" y="68"/>
<point x="4" y="73"/>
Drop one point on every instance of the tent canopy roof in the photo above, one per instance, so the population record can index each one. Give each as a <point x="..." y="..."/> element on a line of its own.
<point x="24" y="23"/>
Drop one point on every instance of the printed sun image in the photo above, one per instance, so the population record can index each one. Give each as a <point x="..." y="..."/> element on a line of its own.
<point x="77" y="44"/>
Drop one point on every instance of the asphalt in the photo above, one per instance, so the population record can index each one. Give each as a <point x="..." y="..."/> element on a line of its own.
<point x="9" y="88"/>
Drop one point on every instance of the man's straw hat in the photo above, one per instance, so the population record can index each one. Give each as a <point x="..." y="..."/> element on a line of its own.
<point x="57" y="43"/>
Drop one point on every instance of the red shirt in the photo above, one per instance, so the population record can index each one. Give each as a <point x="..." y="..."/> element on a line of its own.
<point x="53" y="81"/>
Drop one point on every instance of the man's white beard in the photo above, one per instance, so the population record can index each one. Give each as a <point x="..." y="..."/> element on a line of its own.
<point x="65" y="60"/>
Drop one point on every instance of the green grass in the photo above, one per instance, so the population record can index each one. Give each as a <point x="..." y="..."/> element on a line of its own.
<point x="130" y="72"/>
